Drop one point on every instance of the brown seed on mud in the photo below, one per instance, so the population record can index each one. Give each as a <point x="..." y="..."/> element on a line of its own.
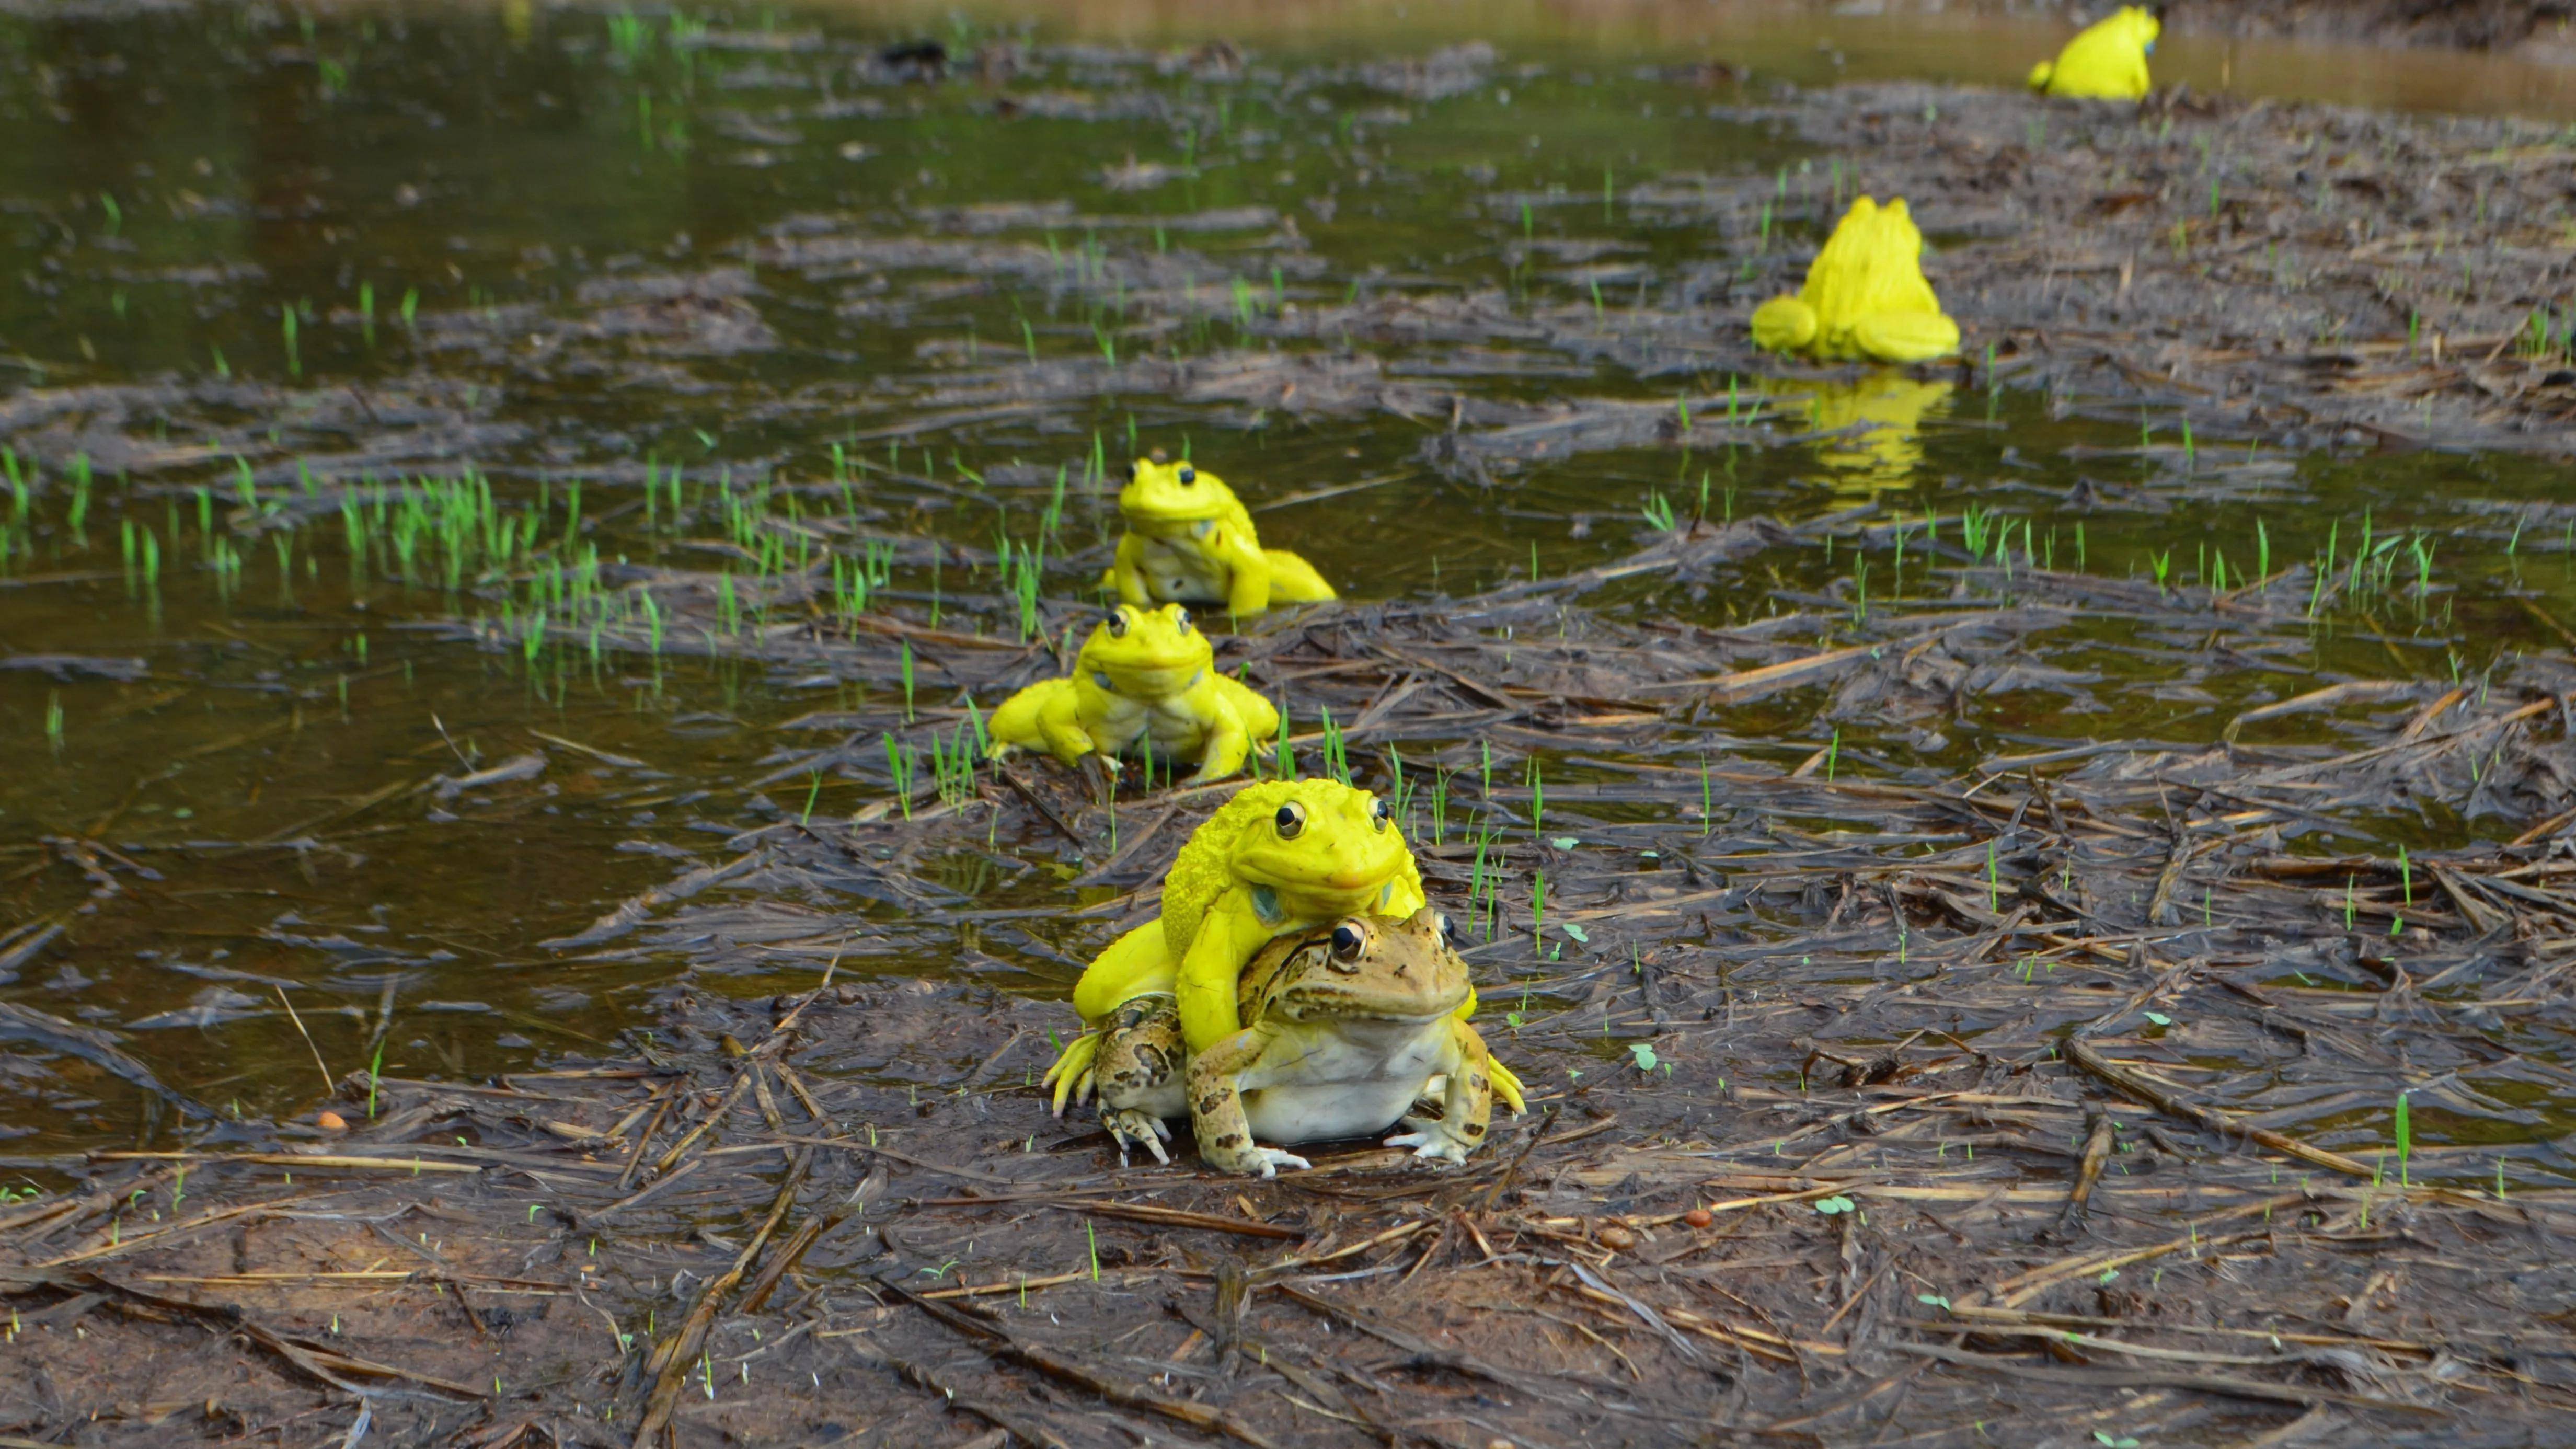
<point x="1616" y="1238"/>
<point x="331" y="1122"/>
<point x="1698" y="1217"/>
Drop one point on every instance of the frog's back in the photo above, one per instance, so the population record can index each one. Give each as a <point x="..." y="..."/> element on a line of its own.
<point x="1204" y="868"/>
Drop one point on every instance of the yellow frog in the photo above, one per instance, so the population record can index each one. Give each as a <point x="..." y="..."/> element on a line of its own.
<point x="2106" y="61"/>
<point x="1346" y="1027"/>
<point x="1145" y="676"/>
<point x="1865" y="296"/>
<point x="1280" y="857"/>
<point x="1190" y="541"/>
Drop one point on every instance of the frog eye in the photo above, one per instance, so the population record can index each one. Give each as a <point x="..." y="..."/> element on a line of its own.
<point x="1135" y="467"/>
<point x="1291" y="820"/>
<point x="1181" y="620"/>
<point x="1189" y="474"/>
<point x="1349" y="940"/>
<point x="1448" y="932"/>
<point x="1379" y="815"/>
<point x="1116" y="623"/>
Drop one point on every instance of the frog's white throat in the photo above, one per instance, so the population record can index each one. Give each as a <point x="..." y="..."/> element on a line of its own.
<point x="1351" y="1078"/>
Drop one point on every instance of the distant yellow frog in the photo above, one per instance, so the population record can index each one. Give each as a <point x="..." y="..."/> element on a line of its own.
<point x="1190" y="541"/>
<point x="1865" y="296"/>
<point x="2106" y="61"/>
<point x="1346" y="1027"/>
<point x="1281" y="856"/>
<point x="1145" y="677"/>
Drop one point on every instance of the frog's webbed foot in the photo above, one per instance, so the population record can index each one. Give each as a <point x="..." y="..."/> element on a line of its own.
<point x="1142" y="1129"/>
<point x="1263" y="1161"/>
<point x="1507" y="1086"/>
<point x="1071" y="1075"/>
<point x="1101" y="772"/>
<point x="1431" y="1138"/>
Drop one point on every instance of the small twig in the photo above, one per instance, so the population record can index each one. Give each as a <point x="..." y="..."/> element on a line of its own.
<point x="329" y="1082"/>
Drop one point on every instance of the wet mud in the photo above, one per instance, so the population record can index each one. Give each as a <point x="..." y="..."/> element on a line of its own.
<point x="2033" y="894"/>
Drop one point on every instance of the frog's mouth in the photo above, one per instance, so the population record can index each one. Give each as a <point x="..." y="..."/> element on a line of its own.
<point x="1327" y="1005"/>
<point x="1153" y="681"/>
<point x="1169" y="526"/>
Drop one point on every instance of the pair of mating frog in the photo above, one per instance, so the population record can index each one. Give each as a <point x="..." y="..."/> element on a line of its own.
<point x="1296" y="987"/>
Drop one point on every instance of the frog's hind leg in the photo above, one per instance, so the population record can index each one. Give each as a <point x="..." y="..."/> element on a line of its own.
<point x="1784" y="324"/>
<point x="1295" y="581"/>
<point x="1132" y="966"/>
<point x="1906" y="336"/>
<point x="1139" y="1071"/>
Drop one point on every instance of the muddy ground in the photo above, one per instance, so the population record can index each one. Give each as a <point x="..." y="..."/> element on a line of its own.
<point x="1889" y="1089"/>
<point x="1869" y="1106"/>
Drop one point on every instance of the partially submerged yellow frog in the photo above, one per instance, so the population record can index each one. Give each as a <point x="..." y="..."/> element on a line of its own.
<point x="1865" y="296"/>
<point x="2106" y="61"/>
<point x="1280" y="857"/>
<point x="1189" y="540"/>
<point x="1346" y="1027"/>
<point x="1145" y="677"/>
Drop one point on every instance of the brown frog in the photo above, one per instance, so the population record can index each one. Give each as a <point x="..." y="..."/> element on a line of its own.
<point x="1347" y="1027"/>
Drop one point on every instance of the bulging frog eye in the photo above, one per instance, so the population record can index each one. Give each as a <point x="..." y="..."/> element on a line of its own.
<point x="1189" y="474"/>
<point x="1379" y="815"/>
<point x="1349" y="940"/>
<point x="1116" y="622"/>
<point x="1448" y="932"/>
<point x="1291" y="820"/>
<point x="1181" y="620"/>
<point x="1134" y="467"/>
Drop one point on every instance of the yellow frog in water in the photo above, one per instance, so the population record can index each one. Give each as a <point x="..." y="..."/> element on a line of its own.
<point x="1190" y="541"/>
<point x="1865" y="296"/>
<point x="1346" y="1027"/>
<point x="2106" y="61"/>
<point x="1145" y="677"/>
<point x="1281" y="856"/>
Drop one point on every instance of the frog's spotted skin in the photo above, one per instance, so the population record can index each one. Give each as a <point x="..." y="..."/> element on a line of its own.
<point x="1279" y="857"/>
<point x="1145" y="679"/>
<point x="1345" y="1027"/>
<point x="1865" y="298"/>
<point x="1189" y="540"/>
<point x="2106" y="61"/>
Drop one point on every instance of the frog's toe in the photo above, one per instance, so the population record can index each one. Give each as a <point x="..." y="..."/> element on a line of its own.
<point x="1266" y="1161"/>
<point x="1429" y="1139"/>
<point x="1507" y="1086"/>
<point x="1071" y="1076"/>
<point x="1143" y="1129"/>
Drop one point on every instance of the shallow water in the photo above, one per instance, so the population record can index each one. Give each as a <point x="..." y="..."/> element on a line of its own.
<point x="577" y="252"/>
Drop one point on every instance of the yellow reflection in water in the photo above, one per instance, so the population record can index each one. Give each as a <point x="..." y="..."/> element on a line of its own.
<point x="1885" y="412"/>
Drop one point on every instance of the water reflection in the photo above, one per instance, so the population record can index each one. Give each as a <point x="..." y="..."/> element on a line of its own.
<point x="1877" y="423"/>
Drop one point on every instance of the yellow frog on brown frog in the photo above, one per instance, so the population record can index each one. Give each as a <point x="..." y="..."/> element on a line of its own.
<point x="1345" y="1029"/>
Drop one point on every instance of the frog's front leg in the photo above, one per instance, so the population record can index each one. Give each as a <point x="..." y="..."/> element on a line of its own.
<point x="1060" y="723"/>
<point x="1466" y="1110"/>
<point x="1228" y="937"/>
<point x="1139" y="1074"/>
<point x="1247" y="589"/>
<point x="1229" y="739"/>
<point x="1127" y="572"/>
<point x="1217" y="1117"/>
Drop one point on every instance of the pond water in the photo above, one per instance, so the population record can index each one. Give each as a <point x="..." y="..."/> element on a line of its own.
<point x="336" y="333"/>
